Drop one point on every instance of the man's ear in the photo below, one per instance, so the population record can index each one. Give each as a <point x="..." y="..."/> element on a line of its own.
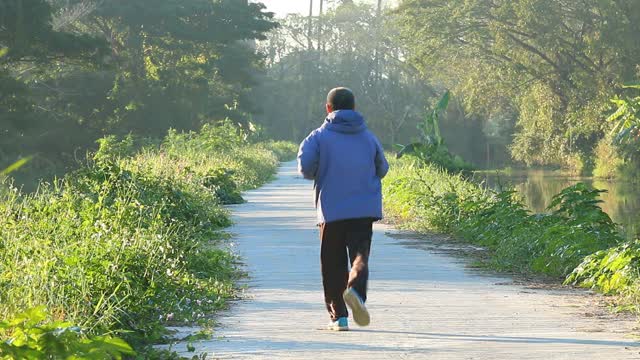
<point x="329" y="108"/>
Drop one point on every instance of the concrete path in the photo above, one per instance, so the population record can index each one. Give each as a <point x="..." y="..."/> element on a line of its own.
<point x="423" y="304"/>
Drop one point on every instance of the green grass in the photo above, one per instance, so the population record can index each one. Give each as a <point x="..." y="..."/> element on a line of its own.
<point x="574" y="237"/>
<point x="419" y="196"/>
<point x="134" y="240"/>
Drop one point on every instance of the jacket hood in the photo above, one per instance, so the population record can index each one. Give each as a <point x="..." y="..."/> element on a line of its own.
<point x="345" y="121"/>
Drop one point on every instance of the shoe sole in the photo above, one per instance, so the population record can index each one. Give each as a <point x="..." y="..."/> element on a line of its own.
<point x="338" y="329"/>
<point x="360" y="313"/>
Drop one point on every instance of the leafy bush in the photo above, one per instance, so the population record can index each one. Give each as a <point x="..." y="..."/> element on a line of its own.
<point x="611" y="271"/>
<point x="617" y="154"/>
<point x="212" y="138"/>
<point x="283" y="150"/>
<point x="112" y="148"/>
<point x="129" y="242"/>
<point x="426" y="198"/>
<point x="608" y="161"/>
<point x="574" y="237"/>
<point x="626" y="121"/>
<point x="420" y="196"/>
<point x="25" y="337"/>
<point x="111" y="249"/>
<point x="556" y="243"/>
<point x="436" y="155"/>
<point x="238" y="165"/>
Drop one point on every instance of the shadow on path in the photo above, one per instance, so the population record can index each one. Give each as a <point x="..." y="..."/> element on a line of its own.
<point x="504" y="339"/>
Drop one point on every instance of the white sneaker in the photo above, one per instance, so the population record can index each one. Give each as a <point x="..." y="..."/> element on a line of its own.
<point x="354" y="301"/>
<point x="342" y="324"/>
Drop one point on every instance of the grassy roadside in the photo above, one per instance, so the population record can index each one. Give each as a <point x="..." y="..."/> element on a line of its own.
<point x="131" y="242"/>
<point x="575" y="242"/>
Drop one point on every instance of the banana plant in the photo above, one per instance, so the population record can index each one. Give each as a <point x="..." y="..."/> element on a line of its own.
<point x="429" y="129"/>
<point x="626" y="118"/>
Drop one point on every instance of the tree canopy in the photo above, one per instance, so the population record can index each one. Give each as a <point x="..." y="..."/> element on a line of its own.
<point x="354" y="45"/>
<point x="549" y="66"/>
<point x="530" y="80"/>
<point x="81" y="69"/>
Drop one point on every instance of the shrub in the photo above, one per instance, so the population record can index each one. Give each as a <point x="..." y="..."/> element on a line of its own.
<point x="129" y="242"/>
<point x="607" y="160"/>
<point x="437" y="156"/>
<point x="611" y="271"/>
<point x="283" y="150"/>
<point x="27" y="338"/>
<point x="110" y="249"/>
<point x="426" y="198"/>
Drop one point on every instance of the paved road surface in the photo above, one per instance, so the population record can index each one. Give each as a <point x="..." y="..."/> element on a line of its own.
<point x="423" y="304"/>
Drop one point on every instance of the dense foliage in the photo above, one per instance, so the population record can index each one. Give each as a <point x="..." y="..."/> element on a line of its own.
<point x="546" y="68"/>
<point x="131" y="241"/>
<point x="79" y="70"/>
<point x="427" y="198"/>
<point x="619" y="153"/>
<point x="33" y="340"/>
<point x="532" y="79"/>
<point x="355" y="45"/>
<point x="574" y="239"/>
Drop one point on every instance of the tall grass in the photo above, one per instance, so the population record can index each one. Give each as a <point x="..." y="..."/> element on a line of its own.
<point x="574" y="240"/>
<point x="134" y="240"/>
<point x="426" y="198"/>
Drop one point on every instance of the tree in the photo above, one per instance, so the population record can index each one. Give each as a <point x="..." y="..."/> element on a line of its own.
<point x="26" y="34"/>
<point x="28" y="47"/>
<point x="546" y="64"/>
<point x="203" y="57"/>
<point x="361" y="53"/>
<point x="84" y="68"/>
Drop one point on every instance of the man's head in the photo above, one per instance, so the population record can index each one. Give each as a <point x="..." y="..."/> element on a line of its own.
<point x="340" y="98"/>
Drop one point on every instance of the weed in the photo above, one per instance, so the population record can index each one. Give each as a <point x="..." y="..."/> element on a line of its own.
<point x="423" y="197"/>
<point x="129" y="242"/>
<point x="28" y="338"/>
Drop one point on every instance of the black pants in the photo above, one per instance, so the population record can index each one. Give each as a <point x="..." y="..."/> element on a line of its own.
<point x="343" y="242"/>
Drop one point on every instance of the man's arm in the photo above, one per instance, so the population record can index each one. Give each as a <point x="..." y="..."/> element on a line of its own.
<point x="309" y="157"/>
<point x="382" y="165"/>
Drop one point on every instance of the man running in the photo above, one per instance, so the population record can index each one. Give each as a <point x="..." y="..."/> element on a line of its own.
<point x="347" y="164"/>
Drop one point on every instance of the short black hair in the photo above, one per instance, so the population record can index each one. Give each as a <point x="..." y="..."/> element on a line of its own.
<point x="341" y="98"/>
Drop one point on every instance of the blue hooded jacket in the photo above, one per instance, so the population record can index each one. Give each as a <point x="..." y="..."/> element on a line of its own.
<point x="347" y="164"/>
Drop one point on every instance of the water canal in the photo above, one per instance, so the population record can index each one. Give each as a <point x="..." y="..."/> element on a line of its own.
<point x="621" y="199"/>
